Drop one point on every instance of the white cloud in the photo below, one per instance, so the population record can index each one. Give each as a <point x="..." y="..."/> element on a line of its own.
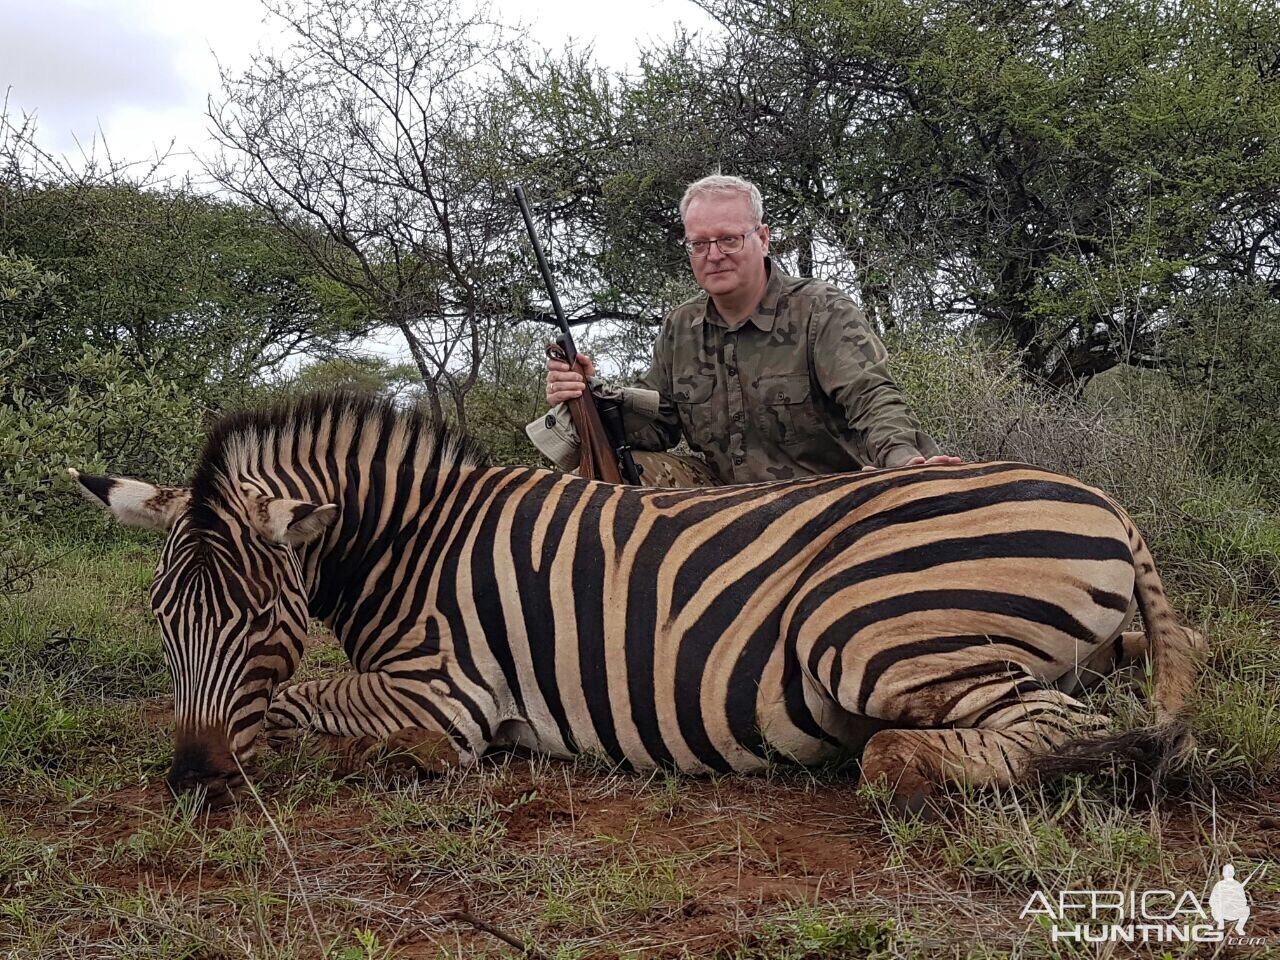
<point x="141" y="70"/>
<point x="615" y="31"/>
<point x="77" y="63"/>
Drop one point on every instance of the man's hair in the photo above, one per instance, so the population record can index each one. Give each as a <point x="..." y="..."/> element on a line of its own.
<point x="717" y="184"/>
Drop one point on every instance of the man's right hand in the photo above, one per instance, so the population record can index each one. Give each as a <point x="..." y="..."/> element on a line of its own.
<point x="565" y="384"/>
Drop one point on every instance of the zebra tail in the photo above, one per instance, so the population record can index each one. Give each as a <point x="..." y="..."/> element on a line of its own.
<point x="1148" y="753"/>
<point x="1177" y="652"/>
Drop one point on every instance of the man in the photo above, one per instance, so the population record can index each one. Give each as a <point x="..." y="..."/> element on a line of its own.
<point x="767" y="376"/>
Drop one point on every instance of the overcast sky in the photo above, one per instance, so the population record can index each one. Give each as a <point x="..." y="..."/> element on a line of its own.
<point x="140" y="71"/>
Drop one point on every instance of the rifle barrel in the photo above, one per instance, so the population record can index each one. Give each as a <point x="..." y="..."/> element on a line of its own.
<point x="570" y="349"/>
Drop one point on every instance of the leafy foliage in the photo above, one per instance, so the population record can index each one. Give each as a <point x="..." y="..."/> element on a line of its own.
<point x="508" y="395"/>
<point x="361" y="374"/>
<point x="1058" y="175"/>
<point x="206" y="292"/>
<point x="128" y="314"/>
<point x="1226" y="354"/>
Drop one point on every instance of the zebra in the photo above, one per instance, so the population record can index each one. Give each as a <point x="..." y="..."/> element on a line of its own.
<point x="935" y="620"/>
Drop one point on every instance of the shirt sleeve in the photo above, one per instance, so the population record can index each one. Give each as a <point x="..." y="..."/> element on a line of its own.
<point x="648" y="411"/>
<point x="648" y="414"/>
<point x="852" y="368"/>
<point x="554" y="436"/>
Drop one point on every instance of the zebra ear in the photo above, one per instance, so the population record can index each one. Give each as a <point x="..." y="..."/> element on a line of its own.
<point x="134" y="503"/>
<point x="291" y="522"/>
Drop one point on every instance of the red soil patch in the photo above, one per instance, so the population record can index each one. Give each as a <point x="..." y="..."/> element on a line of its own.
<point x="742" y="848"/>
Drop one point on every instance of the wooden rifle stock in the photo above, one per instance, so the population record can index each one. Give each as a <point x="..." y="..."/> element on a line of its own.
<point x="598" y="456"/>
<point x="596" y="459"/>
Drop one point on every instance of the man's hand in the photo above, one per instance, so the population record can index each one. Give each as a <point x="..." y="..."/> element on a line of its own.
<point x="940" y="460"/>
<point x="933" y="461"/>
<point x="564" y="384"/>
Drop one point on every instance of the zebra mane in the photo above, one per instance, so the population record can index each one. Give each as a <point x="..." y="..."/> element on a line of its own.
<point x="239" y="439"/>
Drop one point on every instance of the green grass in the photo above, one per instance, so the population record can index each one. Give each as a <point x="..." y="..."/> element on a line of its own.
<point x="1238" y="702"/>
<point x="80" y="664"/>
<point x="809" y="933"/>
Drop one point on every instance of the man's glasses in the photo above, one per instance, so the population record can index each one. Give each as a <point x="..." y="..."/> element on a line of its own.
<point x="700" y="248"/>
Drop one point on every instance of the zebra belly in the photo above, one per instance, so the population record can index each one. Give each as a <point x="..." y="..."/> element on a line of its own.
<point x="521" y="733"/>
<point x="845" y="734"/>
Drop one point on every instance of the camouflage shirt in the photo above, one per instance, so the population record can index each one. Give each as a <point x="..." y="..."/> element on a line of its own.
<point x="800" y="387"/>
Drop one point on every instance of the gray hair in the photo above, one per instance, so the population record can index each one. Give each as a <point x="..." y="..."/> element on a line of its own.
<point x="718" y="184"/>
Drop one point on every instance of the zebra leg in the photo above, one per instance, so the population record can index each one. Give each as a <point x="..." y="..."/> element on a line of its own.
<point x="1125" y="650"/>
<point x="375" y="719"/>
<point x="1009" y="719"/>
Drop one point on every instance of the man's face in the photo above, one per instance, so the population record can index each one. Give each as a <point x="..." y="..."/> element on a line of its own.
<point x="713" y="216"/>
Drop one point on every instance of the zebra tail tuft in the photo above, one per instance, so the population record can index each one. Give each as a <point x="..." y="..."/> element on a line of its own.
<point x="1147" y="754"/>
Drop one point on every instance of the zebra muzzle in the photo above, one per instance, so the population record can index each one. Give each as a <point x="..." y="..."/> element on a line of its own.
<point x="205" y="763"/>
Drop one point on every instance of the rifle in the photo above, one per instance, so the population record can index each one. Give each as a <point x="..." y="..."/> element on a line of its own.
<point x="604" y="453"/>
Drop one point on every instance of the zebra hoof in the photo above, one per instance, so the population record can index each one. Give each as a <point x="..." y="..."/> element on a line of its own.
<point x="223" y="793"/>
<point x="412" y="751"/>
<point x="907" y="798"/>
<point x="415" y="752"/>
<point x="914" y="802"/>
<point x="280" y="740"/>
<point x="891" y="761"/>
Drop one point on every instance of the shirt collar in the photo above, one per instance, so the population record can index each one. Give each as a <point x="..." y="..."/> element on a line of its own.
<point x="763" y="315"/>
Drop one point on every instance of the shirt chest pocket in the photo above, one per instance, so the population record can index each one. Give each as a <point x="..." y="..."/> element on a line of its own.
<point x="787" y="413"/>
<point x="692" y="396"/>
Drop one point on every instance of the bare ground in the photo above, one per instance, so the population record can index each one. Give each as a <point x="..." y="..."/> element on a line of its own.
<point x="569" y="860"/>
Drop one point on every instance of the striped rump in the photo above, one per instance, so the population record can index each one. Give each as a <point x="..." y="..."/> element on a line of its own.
<point x="938" y="619"/>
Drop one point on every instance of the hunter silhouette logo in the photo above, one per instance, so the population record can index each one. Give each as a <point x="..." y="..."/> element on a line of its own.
<point x="1228" y="902"/>
<point x="1148" y="916"/>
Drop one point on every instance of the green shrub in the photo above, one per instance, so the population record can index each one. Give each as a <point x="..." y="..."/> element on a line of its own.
<point x="111" y="417"/>
<point x="1226" y="355"/>
<point x="66" y="403"/>
<point x="496" y="416"/>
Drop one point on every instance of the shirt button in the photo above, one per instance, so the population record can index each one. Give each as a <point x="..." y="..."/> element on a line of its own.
<point x="737" y="417"/>
<point x="550" y="422"/>
<point x="732" y="371"/>
<point x="739" y="459"/>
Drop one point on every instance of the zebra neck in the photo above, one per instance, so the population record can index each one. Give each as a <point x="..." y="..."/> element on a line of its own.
<point x="394" y="529"/>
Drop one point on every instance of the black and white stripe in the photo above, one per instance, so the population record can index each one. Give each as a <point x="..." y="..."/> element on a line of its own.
<point x="714" y="629"/>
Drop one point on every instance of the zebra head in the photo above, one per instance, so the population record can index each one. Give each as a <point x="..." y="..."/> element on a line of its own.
<point x="231" y="601"/>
